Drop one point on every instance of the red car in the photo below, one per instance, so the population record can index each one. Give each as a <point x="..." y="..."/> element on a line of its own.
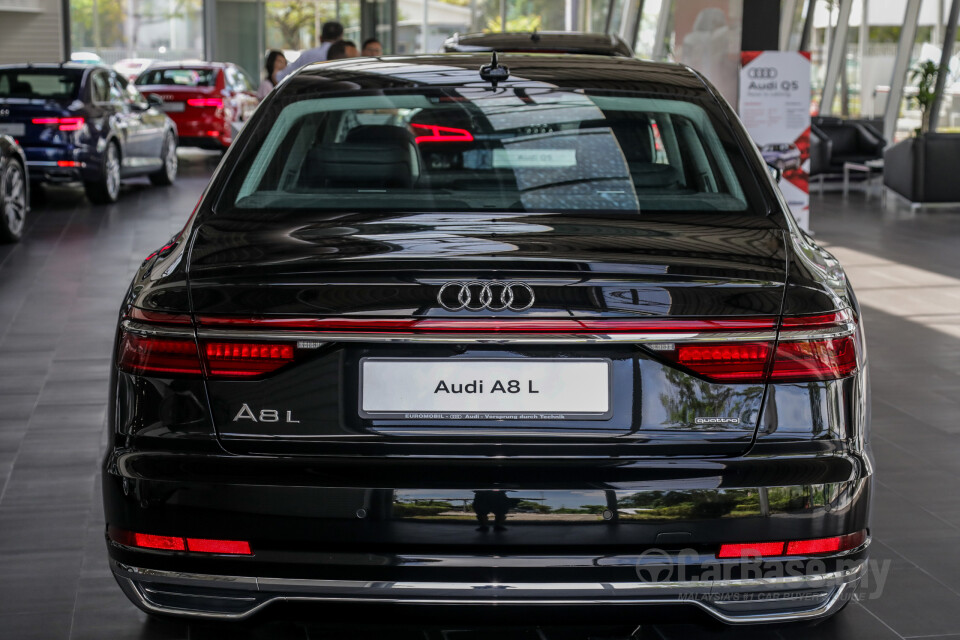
<point x="209" y="101"/>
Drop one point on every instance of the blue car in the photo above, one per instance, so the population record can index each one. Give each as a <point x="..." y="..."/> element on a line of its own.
<point x="86" y="123"/>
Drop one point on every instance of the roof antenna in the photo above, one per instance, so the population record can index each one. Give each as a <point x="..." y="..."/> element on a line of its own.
<point x="494" y="72"/>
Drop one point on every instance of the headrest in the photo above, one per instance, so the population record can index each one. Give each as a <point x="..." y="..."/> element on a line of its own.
<point x="19" y="87"/>
<point x="634" y="135"/>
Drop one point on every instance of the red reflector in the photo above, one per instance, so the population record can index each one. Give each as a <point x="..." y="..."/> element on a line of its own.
<point x="743" y="361"/>
<point x="177" y="543"/>
<point x="167" y="543"/>
<point x="205" y="102"/>
<point x="246" y="359"/>
<point x="237" y="547"/>
<point x="750" y="550"/>
<point x="141" y="355"/>
<point x="829" y="359"/>
<point x="826" y="545"/>
<point x="213" y="134"/>
<point x="806" y="547"/>
<point x="834" y="544"/>
<point x="441" y="134"/>
<point x="68" y="163"/>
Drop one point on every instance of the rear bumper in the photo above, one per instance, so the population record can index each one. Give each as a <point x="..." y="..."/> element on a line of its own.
<point x="732" y="601"/>
<point x="406" y="533"/>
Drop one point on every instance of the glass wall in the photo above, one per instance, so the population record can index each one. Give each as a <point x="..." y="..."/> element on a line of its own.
<point x="154" y="29"/>
<point x="294" y="25"/>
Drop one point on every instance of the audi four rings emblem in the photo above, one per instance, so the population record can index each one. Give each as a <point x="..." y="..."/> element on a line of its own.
<point x="492" y="295"/>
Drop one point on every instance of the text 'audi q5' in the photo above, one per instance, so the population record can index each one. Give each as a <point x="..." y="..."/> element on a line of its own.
<point x="450" y="336"/>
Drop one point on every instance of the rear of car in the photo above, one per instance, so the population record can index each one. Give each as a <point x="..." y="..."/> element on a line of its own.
<point x="41" y="107"/>
<point x="193" y="97"/>
<point x="548" y="350"/>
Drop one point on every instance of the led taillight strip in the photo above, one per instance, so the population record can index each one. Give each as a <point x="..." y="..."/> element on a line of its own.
<point x="493" y="325"/>
<point x="728" y="350"/>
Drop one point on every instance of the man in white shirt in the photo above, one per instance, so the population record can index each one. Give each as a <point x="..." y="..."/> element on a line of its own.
<point x="330" y="33"/>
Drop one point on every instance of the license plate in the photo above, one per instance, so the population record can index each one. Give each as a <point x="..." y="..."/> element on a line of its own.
<point x="172" y="107"/>
<point x="12" y="129"/>
<point x="485" y="389"/>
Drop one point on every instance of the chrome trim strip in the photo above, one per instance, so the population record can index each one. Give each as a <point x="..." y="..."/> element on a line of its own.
<point x="839" y="331"/>
<point x="157" y="331"/>
<point x="488" y="338"/>
<point x="130" y="579"/>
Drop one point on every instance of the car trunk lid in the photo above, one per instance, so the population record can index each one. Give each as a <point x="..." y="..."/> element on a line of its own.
<point x="359" y="296"/>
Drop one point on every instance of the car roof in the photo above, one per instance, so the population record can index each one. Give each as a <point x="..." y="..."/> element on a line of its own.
<point x="551" y="41"/>
<point x="462" y="69"/>
<point x="76" y="66"/>
<point x="187" y="64"/>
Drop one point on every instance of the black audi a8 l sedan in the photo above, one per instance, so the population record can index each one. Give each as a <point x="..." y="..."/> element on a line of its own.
<point x="451" y="336"/>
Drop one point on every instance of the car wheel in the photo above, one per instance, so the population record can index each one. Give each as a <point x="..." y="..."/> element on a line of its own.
<point x="13" y="202"/>
<point x="106" y="190"/>
<point x="168" y="155"/>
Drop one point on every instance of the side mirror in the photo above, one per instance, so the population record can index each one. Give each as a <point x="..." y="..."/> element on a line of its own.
<point x="155" y="100"/>
<point x="775" y="173"/>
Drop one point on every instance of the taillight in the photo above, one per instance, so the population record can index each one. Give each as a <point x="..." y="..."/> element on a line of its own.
<point x="244" y="359"/>
<point x="178" y="357"/>
<point x="803" y="361"/>
<point x="205" y="102"/>
<point x="436" y="133"/>
<point x="64" y="124"/>
<point x="742" y="362"/>
<point x="151" y="355"/>
<point x="817" y="347"/>
<point x="808" y="348"/>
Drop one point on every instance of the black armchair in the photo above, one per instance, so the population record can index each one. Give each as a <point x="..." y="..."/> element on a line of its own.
<point x="850" y="142"/>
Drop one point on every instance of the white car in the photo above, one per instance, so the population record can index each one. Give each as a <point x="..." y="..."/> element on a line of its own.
<point x="85" y="57"/>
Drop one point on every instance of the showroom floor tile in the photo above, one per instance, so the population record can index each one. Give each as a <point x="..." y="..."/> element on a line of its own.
<point x="59" y="293"/>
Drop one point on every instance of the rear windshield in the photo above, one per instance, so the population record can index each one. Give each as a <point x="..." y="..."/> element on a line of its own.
<point x="473" y="149"/>
<point x="179" y="77"/>
<point x="43" y="84"/>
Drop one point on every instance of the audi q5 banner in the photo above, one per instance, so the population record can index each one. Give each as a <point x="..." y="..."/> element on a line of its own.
<point x="775" y="108"/>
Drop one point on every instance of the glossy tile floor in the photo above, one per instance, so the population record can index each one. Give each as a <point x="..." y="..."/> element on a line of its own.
<point x="59" y="292"/>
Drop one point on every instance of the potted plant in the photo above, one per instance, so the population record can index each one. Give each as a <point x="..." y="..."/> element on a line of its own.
<point x="925" y="75"/>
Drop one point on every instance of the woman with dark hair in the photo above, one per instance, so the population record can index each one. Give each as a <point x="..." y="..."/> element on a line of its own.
<point x="275" y="62"/>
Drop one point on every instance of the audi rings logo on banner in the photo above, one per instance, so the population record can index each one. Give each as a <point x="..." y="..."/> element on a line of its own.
<point x="492" y="295"/>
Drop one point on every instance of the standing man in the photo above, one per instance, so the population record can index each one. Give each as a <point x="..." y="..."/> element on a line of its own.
<point x="330" y="33"/>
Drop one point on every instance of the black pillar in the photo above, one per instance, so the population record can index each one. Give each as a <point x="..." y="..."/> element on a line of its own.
<point x="761" y="25"/>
